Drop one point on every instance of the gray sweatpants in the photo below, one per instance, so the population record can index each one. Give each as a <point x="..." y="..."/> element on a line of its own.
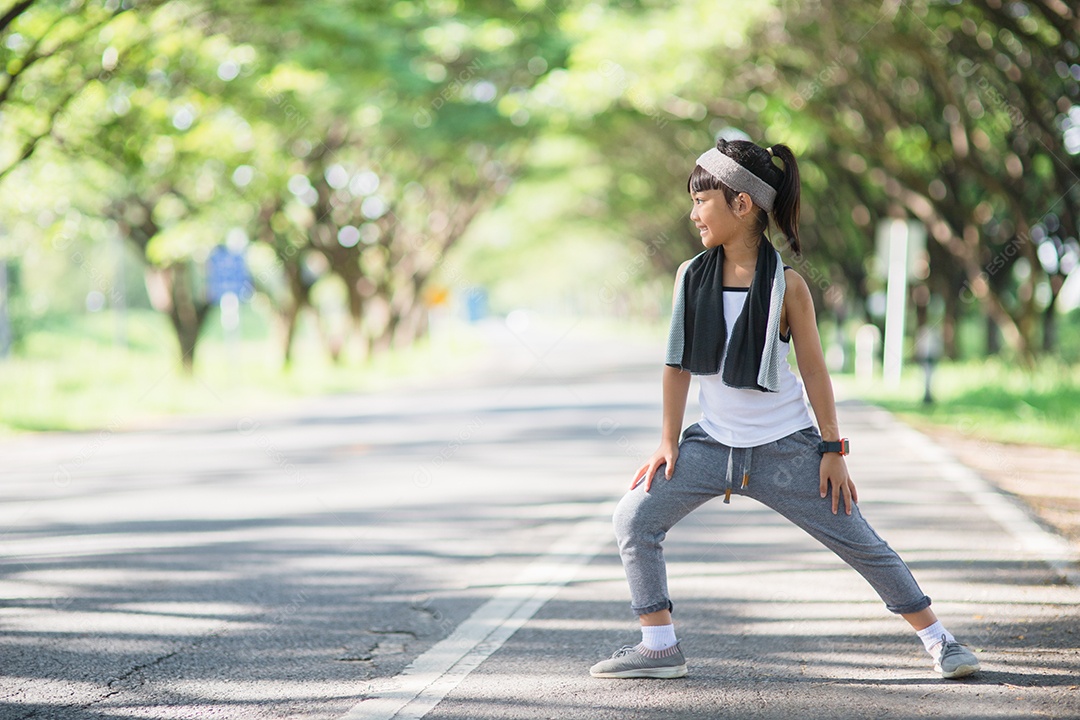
<point x="784" y="475"/>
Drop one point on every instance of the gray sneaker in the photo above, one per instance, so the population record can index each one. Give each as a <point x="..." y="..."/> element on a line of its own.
<point x="640" y="662"/>
<point x="955" y="660"/>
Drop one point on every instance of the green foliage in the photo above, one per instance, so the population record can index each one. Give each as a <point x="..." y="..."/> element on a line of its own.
<point x="372" y="154"/>
<point x="326" y="133"/>
<point x="948" y="113"/>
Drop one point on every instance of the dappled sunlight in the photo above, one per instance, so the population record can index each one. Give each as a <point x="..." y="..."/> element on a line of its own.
<point x="308" y="585"/>
<point x="331" y="335"/>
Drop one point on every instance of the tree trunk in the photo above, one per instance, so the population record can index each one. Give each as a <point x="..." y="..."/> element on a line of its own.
<point x="993" y="337"/>
<point x="301" y="298"/>
<point x="289" y="317"/>
<point x="187" y="333"/>
<point x="1050" y="325"/>
<point x="413" y="325"/>
<point x="949" y="345"/>
<point x="383" y="341"/>
<point x="402" y="304"/>
<point x="171" y="291"/>
<point x="356" y="313"/>
<point x="1049" y="329"/>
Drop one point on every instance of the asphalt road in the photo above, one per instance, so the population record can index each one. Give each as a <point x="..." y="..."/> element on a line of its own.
<point x="443" y="551"/>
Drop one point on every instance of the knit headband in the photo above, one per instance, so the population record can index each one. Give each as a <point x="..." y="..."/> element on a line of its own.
<point x="738" y="178"/>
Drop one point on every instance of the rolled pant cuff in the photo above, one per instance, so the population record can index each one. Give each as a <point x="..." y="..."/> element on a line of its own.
<point x="910" y="608"/>
<point x="655" y="607"/>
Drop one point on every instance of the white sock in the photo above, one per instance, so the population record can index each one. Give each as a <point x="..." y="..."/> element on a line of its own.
<point x="658" y="637"/>
<point x="931" y="637"/>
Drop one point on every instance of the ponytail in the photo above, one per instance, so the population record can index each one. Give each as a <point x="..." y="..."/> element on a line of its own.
<point x="786" y="205"/>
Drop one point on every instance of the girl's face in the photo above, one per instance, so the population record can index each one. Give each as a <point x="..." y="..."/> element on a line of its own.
<point x="718" y="222"/>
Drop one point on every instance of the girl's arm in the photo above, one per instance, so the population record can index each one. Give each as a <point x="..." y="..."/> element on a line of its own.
<point x="676" y="384"/>
<point x="802" y="324"/>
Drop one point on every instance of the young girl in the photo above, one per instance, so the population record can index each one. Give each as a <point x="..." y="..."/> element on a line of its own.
<point x="736" y="308"/>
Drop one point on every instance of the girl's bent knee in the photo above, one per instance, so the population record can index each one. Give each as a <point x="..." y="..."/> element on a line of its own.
<point x="628" y="517"/>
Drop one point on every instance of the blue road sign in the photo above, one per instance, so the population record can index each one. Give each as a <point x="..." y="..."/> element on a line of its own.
<point x="226" y="272"/>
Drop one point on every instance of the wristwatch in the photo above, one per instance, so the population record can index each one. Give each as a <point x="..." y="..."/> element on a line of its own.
<point x="843" y="447"/>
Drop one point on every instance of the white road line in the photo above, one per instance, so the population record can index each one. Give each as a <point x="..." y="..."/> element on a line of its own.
<point x="429" y="678"/>
<point x="1007" y="511"/>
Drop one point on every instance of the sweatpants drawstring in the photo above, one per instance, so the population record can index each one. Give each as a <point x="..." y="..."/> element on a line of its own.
<point x="727" y="477"/>
<point x="745" y="471"/>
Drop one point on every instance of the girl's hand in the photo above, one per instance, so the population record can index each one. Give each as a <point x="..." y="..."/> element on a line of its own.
<point x="666" y="454"/>
<point x="834" y="470"/>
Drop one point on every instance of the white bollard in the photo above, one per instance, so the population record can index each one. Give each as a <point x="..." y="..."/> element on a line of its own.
<point x="867" y="340"/>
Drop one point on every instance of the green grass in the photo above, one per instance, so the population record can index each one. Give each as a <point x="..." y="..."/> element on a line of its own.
<point x="70" y="374"/>
<point x="988" y="399"/>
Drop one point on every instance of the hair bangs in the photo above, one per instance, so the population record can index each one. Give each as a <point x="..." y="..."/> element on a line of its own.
<point x="701" y="180"/>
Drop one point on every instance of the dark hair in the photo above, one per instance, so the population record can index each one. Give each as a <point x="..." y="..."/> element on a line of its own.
<point x="757" y="160"/>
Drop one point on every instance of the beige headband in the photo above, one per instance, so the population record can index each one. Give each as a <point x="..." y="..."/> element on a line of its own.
<point x="738" y="178"/>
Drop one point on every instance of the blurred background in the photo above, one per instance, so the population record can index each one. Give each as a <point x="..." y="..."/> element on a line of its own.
<point x="206" y="204"/>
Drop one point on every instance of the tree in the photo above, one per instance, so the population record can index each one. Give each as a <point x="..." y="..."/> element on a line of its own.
<point x="51" y="54"/>
<point x="186" y="81"/>
<point x="383" y="186"/>
<point x="170" y="141"/>
<point x="949" y="114"/>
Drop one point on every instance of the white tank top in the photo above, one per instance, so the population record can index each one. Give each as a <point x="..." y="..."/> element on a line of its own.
<point x="748" y="418"/>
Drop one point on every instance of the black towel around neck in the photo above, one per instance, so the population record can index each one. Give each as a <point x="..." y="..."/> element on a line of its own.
<point x="704" y="329"/>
